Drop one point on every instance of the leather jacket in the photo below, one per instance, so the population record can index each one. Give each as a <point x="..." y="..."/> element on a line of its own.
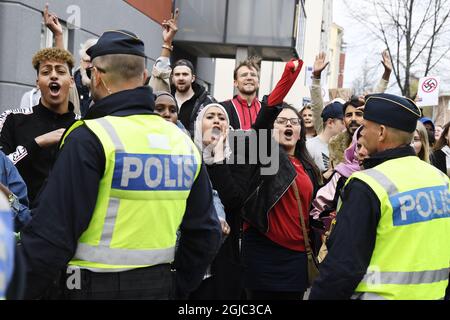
<point x="268" y="190"/>
<point x="264" y="191"/>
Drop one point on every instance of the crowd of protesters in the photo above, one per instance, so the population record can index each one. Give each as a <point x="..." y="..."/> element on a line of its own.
<point x="146" y="187"/>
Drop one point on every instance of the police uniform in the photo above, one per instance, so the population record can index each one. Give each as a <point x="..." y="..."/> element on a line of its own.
<point x="393" y="228"/>
<point x="125" y="181"/>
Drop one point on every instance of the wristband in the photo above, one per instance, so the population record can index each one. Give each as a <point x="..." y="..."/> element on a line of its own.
<point x="165" y="46"/>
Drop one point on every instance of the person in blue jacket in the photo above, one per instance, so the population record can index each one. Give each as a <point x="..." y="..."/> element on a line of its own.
<point x="7" y="245"/>
<point x="16" y="192"/>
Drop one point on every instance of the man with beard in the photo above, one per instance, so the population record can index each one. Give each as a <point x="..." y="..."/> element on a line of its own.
<point x="82" y="81"/>
<point x="30" y="136"/>
<point x="191" y="97"/>
<point x="353" y="116"/>
<point x="245" y="106"/>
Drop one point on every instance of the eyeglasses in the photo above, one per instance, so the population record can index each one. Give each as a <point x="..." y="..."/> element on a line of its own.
<point x="284" y="121"/>
<point x="89" y="71"/>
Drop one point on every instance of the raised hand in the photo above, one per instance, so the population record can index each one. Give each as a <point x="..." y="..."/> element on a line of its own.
<point x="320" y="64"/>
<point x="214" y="152"/>
<point x="52" y="22"/>
<point x="293" y="65"/>
<point x="170" y="28"/>
<point x="387" y="63"/>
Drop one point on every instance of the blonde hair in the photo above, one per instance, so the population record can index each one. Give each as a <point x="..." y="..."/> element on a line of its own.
<point x="424" y="153"/>
<point x="85" y="46"/>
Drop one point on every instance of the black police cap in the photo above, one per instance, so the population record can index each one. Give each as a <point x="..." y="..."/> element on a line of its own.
<point x="392" y="111"/>
<point x="333" y="111"/>
<point x="117" y="42"/>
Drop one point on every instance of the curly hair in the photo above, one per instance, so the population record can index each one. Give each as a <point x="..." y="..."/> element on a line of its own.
<point x="53" y="54"/>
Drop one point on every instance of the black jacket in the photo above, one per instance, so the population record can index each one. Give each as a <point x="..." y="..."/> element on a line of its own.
<point x="229" y="182"/>
<point x="233" y="115"/>
<point x="352" y="241"/>
<point x="438" y="159"/>
<point x="18" y="130"/>
<point x="268" y="190"/>
<point x="265" y="190"/>
<point x="192" y="107"/>
<point x="69" y="198"/>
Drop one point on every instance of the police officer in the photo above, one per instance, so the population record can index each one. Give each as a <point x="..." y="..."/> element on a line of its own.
<point x="393" y="227"/>
<point x="125" y="181"/>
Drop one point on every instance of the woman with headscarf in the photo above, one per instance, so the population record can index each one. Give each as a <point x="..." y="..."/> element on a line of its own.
<point x="273" y="246"/>
<point x="211" y="136"/>
<point x="166" y="107"/>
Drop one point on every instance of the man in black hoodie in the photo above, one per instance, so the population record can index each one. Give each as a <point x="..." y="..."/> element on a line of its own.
<point x="191" y="97"/>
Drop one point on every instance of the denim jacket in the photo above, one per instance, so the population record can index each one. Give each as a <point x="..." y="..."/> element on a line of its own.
<point x="11" y="178"/>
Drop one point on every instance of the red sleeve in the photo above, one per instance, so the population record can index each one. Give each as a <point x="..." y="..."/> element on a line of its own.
<point x="286" y="82"/>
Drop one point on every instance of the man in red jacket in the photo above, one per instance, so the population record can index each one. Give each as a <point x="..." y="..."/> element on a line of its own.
<point x="245" y="106"/>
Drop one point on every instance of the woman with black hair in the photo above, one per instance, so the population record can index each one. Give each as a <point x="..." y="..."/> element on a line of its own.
<point x="274" y="250"/>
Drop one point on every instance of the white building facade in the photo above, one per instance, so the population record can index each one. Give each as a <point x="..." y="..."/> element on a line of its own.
<point x="319" y="20"/>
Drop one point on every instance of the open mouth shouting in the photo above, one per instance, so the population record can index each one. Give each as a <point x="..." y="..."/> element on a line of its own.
<point x="288" y="134"/>
<point x="215" y="133"/>
<point x="55" y="89"/>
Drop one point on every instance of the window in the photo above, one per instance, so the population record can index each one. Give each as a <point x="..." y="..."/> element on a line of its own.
<point x="47" y="39"/>
<point x="300" y="28"/>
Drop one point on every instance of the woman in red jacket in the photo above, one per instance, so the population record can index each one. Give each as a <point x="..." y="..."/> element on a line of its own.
<point x="274" y="252"/>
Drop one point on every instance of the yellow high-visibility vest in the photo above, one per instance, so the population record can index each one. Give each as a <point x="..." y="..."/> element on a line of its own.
<point x="149" y="171"/>
<point x="411" y="257"/>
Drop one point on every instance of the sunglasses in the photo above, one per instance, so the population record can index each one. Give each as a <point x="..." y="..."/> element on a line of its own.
<point x="89" y="71"/>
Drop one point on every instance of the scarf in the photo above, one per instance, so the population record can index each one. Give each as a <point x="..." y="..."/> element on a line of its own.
<point x="350" y="163"/>
<point x="207" y="152"/>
